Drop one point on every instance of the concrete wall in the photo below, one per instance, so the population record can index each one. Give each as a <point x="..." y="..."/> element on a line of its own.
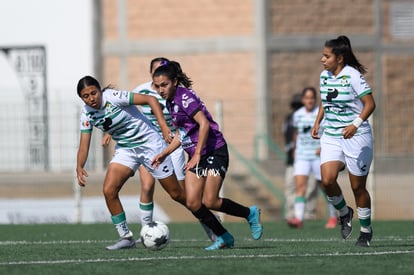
<point x="221" y="45"/>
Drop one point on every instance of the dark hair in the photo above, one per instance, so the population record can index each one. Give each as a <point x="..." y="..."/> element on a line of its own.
<point x="342" y="46"/>
<point x="85" y="82"/>
<point x="309" y="88"/>
<point x="172" y="70"/>
<point x="158" y="59"/>
<point x="89" y="81"/>
<point x="296" y="101"/>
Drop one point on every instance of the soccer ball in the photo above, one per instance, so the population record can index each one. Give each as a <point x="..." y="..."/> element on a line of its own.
<point x="155" y="235"/>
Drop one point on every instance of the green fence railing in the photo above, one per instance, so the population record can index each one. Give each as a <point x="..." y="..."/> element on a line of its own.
<point x="259" y="175"/>
<point x="270" y="144"/>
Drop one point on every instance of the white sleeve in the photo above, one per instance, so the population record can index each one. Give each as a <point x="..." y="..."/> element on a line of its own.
<point x="360" y="85"/>
<point x="85" y="124"/>
<point x="119" y="98"/>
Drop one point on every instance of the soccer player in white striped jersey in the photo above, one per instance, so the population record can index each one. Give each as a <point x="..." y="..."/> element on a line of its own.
<point x="137" y="142"/>
<point x="307" y="157"/>
<point x="346" y="104"/>
<point x="178" y="157"/>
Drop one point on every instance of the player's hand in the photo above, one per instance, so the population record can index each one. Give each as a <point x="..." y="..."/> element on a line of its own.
<point x="81" y="175"/>
<point x="315" y="132"/>
<point x="166" y="134"/>
<point x="349" y="131"/>
<point x="193" y="162"/>
<point x="106" y="139"/>
<point x="158" y="159"/>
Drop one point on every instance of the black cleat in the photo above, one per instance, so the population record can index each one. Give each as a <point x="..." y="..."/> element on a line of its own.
<point x="364" y="239"/>
<point x="346" y="224"/>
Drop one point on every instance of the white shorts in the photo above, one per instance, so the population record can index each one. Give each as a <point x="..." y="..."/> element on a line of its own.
<point x="143" y="155"/>
<point x="306" y="167"/>
<point x="356" y="152"/>
<point x="179" y="161"/>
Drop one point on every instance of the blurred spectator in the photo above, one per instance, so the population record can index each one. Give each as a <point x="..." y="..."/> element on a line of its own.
<point x="290" y="187"/>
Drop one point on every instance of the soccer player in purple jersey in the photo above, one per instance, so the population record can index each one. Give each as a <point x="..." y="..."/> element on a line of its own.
<point x="200" y="137"/>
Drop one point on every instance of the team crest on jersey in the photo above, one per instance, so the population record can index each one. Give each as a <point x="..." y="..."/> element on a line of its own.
<point x="186" y="101"/>
<point x="108" y="107"/>
<point x="344" y="81"/>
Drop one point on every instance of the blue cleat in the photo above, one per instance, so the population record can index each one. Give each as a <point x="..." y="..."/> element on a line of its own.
<point x="224" y="241"/>
<point x="210" y="232"/>
<point x="254" y="222"/>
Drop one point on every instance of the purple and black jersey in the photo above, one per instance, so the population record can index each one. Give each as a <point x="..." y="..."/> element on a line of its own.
<point x="182" y="109"/>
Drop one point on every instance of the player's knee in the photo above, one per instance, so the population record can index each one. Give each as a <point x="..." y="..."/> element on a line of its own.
<point x="178" y="196"/>
<point x="359" y="190"/>
<point x="146" y="189"/>
<point x="210" y="203"/>
<point x="175" y="195"/>
<point x="193" y="205"/>
<point x="326" y="182"/>
<point x="109" y="193"/>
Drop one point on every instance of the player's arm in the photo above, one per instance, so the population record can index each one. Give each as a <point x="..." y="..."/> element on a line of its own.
<point x="369" y="106"/>
<point x="367" y="110"/>
<point x="295" y="139"/>
<point x="106" y="139"/>
<point x="174" y="144"/>
<point x="204" y="128"/>
<point x="318" y="119"/>
<point x="83" y="151"/>
<point x="139" y="99"/>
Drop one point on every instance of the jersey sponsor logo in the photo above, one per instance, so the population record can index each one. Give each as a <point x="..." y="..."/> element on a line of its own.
<point x="336" y="109"/>
<point x="120" y="94"/>
<point x="306" y="129"/>
<point x="333" y="93"/>
<point x="210" y="159"/>
<point x="363" y="82"/>
<point x="107" y="123"/>
<point x="201" y="173"/>
<point x="363" y="168"/>
<point x="165" y="169"/>
<point x="86" y="123"/>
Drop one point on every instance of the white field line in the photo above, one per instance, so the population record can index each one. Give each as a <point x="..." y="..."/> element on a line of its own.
<point x="141" y="259"/>
<point x="175" y="258"/>
<point x="284" y="240"/>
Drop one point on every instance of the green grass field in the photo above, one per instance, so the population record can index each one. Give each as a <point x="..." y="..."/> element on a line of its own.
<point x="79" y="249"/>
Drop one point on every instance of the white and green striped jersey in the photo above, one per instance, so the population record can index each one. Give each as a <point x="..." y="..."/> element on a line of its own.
<point x="119" y="118"/>
<point x="146" y="89"/>
<point x="306" y="146"/>
<point x="341" y="100"/>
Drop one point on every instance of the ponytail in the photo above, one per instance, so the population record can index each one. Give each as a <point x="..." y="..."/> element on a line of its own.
<point x="172" y="70"/>
<point x="342" y="46"/>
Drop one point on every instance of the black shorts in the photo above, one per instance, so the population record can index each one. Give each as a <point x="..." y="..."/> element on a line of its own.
<point x="213" y="164"/>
